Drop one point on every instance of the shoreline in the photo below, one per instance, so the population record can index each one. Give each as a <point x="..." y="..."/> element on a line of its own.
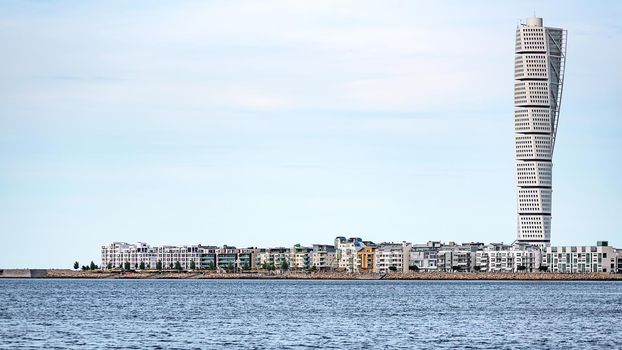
<point x="429" y="276"/>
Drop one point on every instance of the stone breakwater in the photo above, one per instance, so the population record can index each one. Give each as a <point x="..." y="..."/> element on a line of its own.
<point x="339" y="275"/>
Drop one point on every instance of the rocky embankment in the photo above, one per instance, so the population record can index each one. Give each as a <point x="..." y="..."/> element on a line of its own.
<point x="338" y="275"/>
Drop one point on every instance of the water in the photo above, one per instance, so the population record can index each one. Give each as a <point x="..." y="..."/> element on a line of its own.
<point x="208" y="314"/>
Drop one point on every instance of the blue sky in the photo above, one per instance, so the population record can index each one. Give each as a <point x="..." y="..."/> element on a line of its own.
<point x="272" y="123"/>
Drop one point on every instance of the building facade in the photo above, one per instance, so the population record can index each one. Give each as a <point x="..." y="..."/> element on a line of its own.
<point x="423" y="256"/>
<point x="323" y="257"/>
<point x="498" y="257"/>
<point x="392" y="257"/>
<point x="581" y="259"/>
<point x="538" y="82"/>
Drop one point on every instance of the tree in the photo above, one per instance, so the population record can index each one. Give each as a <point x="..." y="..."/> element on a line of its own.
<point x="264" y="266"/>
<point x="313" y="268"/>
<point x="245" y="266"/>
<point x="192" y="265"/>
<point x="210" y="265"/>
<point x="92" y="266"/>
<point x="142" y="265"/>
<point x="284" y="265"/>
<point x="127" y="266"/>
<point x="456" y="268"/>
<point x="109" y="266"/>
<point x="477" y="268"/>
<point x="543" y="268"/>
<point x="76" y="265"/>
<point x="85" y="268"/>
<point x="230" y="266"/>
<point x="414" y="268"/>
<point x="392" y="268"/>
<point x="159" y="265"/>
<point x="170" y="266"/>
<point x="521" y="268"/>
<point x="178" y="266"/>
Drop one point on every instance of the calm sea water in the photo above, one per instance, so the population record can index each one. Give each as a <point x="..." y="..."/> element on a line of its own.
<point x="209" y="314"/>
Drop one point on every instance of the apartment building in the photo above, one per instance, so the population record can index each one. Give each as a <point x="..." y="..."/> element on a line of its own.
<point x="499" y="257"/>
<point x="455" y="257"/>
<point x="116" y="254"/>
<point x="423" y="256"/>
<point x="577" y="259"/>
<point x="392" y="257"/>
<point x="347" y="252"/>
<point x="300" y="257"/>
<point x="323" y="257"/>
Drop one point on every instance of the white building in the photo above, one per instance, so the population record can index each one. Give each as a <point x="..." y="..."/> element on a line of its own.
<point x="347" y="252"/>
<point x="423" y="256"/>
<point x="498" y="257"/>
<point x="185" y="255"/>
<point x="392" y="257"/>
<point x="116" y="254"/>
<point x="599" y="258"/>
<point x="539" y="74"/>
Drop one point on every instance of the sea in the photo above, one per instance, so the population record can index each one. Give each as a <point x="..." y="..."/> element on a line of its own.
<point x="308" y="314"/>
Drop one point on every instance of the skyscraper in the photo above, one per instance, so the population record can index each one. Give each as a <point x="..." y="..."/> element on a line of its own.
<point x="538" y="81"/>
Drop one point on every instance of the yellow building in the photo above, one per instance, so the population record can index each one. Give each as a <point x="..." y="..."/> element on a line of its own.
<point x="366" y="259"/>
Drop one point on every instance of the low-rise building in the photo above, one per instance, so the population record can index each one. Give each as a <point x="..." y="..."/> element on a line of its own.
<point x="323" y="257"/>
<point x="454" y="257"/>
<point x="423" y="256"/>
<point x="116" y="254"/>
<point x="392" y="257"/>
<point x="347" y="252"/>
<point x="366" y="259"/>
<point x="300" y="257"/>
<point x="499" y="257"/>
<point x="598" y="258"/>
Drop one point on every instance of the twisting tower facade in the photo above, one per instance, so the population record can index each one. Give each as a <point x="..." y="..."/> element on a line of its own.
<point x="538" y="82"/>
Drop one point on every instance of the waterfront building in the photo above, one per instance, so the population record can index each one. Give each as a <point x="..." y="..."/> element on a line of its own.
<point x="227" y="257"/>
<point x="598" y="258"/>
<point x="116" y="254"/>
<point x="347" y="252"/>
<point x="185" y="255"/>
<point x="274" y="257"/>
<point x="454" y="257"/>
<point x="366" y="259"/>
<point x="392" y="257"/>
<point x="300" y="257"/>
<point x="323" y="257"/>
<point x="499" y="257"/>
<point x="619" y="255"/>
<point x="423" y="256"/>
<point x="539" y="75"/>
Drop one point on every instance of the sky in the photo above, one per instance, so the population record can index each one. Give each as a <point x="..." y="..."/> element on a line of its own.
<point x="271" y="123"/>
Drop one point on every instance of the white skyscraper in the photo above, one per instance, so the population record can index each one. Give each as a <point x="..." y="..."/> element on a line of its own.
<point x="538" y="81"/>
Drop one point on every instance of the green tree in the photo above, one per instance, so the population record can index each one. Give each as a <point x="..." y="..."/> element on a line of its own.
<point x="521" y="268"/>
<point x="414" y="268"/>
<point x="313" y="268"/>
<point x="85" y="268"/>
<point x="127" y="266"/>
<point x="264" y="266"/>
<point x="230" y="266"/>
<point x="171" y="266"/>
<point x="477" y="268"/>
<point x="142" y="265"/>
<point x="392" y="268"/>
<point x="210" y="265"/>
<point x="456" y="268"/>
<point x="159" y="265"/>
<point x="245" y="266"/>
<point x="284" y="265"/>
<point x="92" y="266"/>
<point x="109" y="266"/>
<point x="271" y="267"/>
<point x="178" y="266"/>
<point x="76" y="265"/>
<point x="192" y="265"/>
